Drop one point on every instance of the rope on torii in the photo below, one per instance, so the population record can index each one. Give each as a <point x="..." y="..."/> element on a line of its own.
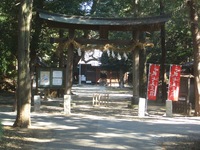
<point x="106" y="47"/>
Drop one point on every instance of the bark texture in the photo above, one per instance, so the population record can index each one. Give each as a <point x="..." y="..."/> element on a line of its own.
<point x="196" y="47"/>
<point x="24" y="81"/>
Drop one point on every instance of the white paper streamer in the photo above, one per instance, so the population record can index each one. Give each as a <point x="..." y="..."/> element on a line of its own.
<point x="79" y="52"/>
<point x="113" y="54"/>
<point x="119" y="56"/>
<point x="108" y="53"/>
<point x="125" y="56"/>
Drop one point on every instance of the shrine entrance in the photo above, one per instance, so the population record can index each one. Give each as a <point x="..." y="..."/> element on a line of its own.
<point x="135" y="26"/>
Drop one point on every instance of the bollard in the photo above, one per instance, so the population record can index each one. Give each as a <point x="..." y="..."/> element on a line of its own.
<point x="67" y="104"/>
<point x="169" y="108"/>
<point x="141" y="107"/>
<point x="37" y="103"/>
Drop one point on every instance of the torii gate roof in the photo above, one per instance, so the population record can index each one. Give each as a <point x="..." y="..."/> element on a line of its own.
<point x="110" y="24"/>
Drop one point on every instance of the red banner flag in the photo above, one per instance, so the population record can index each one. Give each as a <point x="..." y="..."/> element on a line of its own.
<point x="174" y="82"/>
<point x="153" y="79"/>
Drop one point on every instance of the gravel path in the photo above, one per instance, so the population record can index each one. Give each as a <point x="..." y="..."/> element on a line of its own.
<point x="107" y="128"/>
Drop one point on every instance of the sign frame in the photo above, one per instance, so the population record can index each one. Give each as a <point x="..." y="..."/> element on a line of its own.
<point x="51" y="77"/>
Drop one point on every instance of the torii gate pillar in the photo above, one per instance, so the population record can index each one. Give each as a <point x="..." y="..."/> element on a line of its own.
<point x="135" y="70"/>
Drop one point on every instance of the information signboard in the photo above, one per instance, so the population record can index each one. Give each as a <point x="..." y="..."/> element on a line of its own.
<point x="50" y="77"/>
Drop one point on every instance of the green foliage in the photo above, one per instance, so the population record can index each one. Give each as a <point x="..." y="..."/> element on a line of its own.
<point x="41" y="43"/>
<point x="178" y="35"/>
<point x="112" y="8"/>
<point x="69" y="7"/>
<point x="8" y="40"/>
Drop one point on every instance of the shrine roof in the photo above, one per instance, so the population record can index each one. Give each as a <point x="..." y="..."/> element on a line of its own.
<point x="91" y="23"/>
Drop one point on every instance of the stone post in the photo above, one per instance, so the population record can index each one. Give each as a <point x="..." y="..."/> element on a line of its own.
<point x="169" y="108"/>
<point x="67" y="104"/>
<point x="141" y="107"/>
<point x="37" y="103"/>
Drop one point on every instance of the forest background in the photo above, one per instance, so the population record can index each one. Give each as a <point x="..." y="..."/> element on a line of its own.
<point x="179" y="42"/>
<point x="178" y="33"/>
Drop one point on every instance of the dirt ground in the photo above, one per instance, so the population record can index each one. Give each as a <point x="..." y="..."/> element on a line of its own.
<point x="16" y="138"/>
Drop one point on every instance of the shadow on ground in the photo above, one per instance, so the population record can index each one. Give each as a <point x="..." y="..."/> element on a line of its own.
<point x="96" y="127"/>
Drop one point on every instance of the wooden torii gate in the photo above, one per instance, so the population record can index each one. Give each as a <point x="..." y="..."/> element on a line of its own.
<point x="103" y="26"/>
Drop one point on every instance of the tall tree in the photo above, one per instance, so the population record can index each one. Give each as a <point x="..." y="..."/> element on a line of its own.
<point x="196" y="48"/>
<point x="8" y="43"/>
<point x="36" y="32"/>
<point x="163" y="53"/>
<point x="24" y="81"/>
<point x="69" y="69"/>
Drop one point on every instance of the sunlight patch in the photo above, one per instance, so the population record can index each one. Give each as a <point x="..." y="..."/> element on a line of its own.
<point x="39" y="140"/>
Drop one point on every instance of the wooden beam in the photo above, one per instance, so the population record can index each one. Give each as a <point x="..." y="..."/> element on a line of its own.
<point x="103" y="32"/>
<point x="84" y="41"/>
<point x="141" y="27"/>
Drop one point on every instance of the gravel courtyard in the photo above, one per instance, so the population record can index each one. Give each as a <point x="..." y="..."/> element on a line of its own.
<point x="100" y="127"/>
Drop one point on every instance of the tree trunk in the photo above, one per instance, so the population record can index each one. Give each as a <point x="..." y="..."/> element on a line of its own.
<point x="163" y="70"/>
<point x="196" y="47"/>
<point x="94" y="6"/>
<point x="34" y="44"/>
<point x="24" y="80"/>
<point x="69" y="69"/>
<point x="36" y="27"/>
<point x="142" y="68"/>
<point x="135" y="8"/>
<point x="163" y="58"/>
<point x="60" y="49"/>
<point x="60" y="54"/>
